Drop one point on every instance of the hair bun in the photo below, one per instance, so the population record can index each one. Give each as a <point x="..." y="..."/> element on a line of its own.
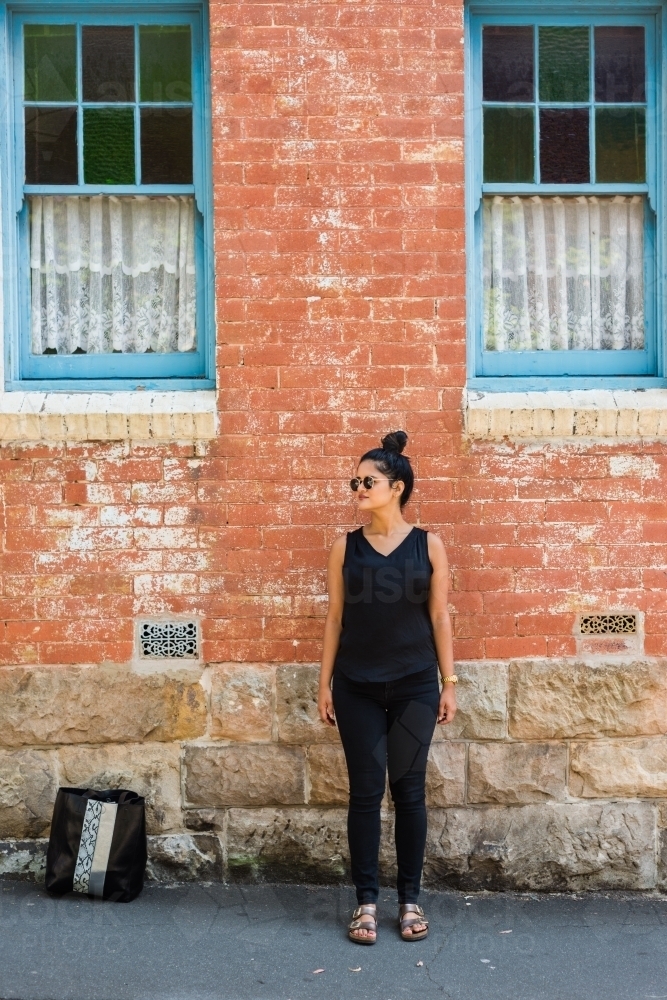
<point x="396" y="441"/>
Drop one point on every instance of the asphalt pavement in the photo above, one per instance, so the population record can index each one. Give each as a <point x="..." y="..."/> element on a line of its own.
<point x="282" y="942"/>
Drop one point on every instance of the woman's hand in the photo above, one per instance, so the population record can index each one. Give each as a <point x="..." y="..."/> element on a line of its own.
<point x="447" y="705"/>
<point x="325" y="706"/>
<point x="332" y="629"/>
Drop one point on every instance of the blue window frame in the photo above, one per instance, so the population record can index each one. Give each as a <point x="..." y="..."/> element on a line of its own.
<point x="546" y="109"/>
<point x="143" y="137"/>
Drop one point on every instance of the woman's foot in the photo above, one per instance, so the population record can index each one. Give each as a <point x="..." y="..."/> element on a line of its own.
<point x="363" y="928"/>
<point x="412" y="922"/>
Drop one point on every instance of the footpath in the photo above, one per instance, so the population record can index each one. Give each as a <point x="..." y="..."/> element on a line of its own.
<point x="215" y="942"/>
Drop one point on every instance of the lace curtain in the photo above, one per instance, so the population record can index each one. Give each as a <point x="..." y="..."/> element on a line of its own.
<point x="563" y="274"/>
<point x="112" y="274"/>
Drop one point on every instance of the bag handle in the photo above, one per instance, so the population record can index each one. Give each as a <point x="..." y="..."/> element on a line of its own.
<point x="91" y="793"/>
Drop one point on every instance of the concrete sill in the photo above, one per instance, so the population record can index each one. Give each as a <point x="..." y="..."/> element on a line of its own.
<point x="107" y="416"/>
<point x="582" y="413"/>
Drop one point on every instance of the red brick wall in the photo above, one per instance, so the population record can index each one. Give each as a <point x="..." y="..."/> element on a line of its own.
<point x="341" y="271"/>
<point x="339" y="234"/>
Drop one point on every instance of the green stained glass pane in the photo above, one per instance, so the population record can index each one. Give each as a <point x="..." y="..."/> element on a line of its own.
<point x="165" y="63"/>
<point x="620" y="145"/>
<point x="50" y="62"/>
<point x="564" y="64"/>
<point x="509" y="148"/>
<point x="108" y="146"/>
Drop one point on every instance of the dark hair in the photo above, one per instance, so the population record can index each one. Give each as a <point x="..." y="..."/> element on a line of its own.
<point x="390" y="460"/>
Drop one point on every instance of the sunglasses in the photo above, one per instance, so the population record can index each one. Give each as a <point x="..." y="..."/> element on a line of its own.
<point x="368" y="482"/>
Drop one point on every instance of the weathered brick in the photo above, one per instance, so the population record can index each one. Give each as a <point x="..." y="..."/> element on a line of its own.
<point x="103" y="704"/>
<point x="619" y="768"/>
<point x="512" y="773"/>
<point x="546" y="846"/>
<point x="327" y="772"/>
<point x="244" y="775"/>
<point x="242" y="701"/>
<point x="569" y="699"/>
<point x="296" y="706"/>
<point x="481" y="701"/>
<point x="28" y="786"/>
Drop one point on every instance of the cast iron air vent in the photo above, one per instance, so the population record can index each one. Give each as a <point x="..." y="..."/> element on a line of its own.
<point x="608" y="624"/>
<point x="175" y="640"/>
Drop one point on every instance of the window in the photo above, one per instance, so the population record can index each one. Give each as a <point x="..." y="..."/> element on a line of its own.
<point x="110" y="223"/>
<point x="562" y="193"/>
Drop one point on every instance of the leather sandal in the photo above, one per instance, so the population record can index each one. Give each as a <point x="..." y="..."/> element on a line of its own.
<point x="364" y="918"/>
<point x="410" y="914"/>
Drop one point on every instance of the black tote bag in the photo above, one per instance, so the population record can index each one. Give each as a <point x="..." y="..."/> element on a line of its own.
<point x="98" y="844"/>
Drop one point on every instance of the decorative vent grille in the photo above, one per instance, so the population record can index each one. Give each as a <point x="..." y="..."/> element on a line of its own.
<point x="607" y="624"/>
<point x="168" y="640"/>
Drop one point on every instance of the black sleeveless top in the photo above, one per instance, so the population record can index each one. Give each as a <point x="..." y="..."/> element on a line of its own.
<point x="387" y="631"/>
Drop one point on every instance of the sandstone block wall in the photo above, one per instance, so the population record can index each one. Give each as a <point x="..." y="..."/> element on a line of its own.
<point x="529" y="788"/>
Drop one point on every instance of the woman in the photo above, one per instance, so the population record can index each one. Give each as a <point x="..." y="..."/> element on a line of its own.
<point x="387" y="631"/>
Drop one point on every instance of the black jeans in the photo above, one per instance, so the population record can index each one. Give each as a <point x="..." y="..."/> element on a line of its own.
<point x="387" y="726"/>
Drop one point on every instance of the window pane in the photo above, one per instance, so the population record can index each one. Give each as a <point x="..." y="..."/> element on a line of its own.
<point x="50" y="62"/>
<point x="108" y="146"/>
<point x="166" y="146"/>
<point x="564" y="149"/>
<point x="108" y="64"/>
<point x="130" y="288"/>
<point x="563" y="274"/>
<point x="50" y="146"/>
<point x="508" y="64"/>
<point x="165" y="60"/>
<point x="564" y="64"/>
<point x="620" y="145"/>
<point x="619" y="65"/>
<point x="509" y="144"/>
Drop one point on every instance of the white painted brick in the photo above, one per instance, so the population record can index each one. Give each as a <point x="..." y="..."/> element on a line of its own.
<point x="52" y="427"/>
<point x="9" y="425"/>
<point x="183" y="426"/>
<point x="161" y="428"/>
<point x="107" y="416"/>
<point x="564" y="422"/>
<point x="97" y="428"/>
<point x="205" y="425"/>
<point x="595" y="413"/>
<point x="118" y="426"/>
<point x="607" y="421"/>
<point x="521" y="423"/>
<point x="76" y="426"/>
<point x="140" y="426"/>
<point x="627" y="423"/>
<point x="478" y="422"/>
<point x="648" y="422"/>
<point x="543" y="422"/>
<point x="585" y="423"/>
<point x="500" y="423"/>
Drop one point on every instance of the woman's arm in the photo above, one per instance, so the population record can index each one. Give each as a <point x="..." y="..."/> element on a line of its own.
<point x="332" y="629"/>
<point x="442" y="625"/>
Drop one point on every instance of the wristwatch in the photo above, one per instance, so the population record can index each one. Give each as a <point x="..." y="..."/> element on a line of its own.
<point x="452" y="679"/>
